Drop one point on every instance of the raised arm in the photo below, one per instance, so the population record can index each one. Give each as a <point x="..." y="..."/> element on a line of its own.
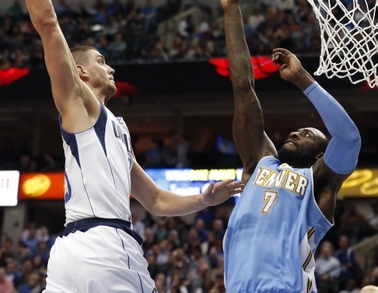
<point x="341" y="155"/>
<point x="248" y="124"/>
<point x="75" y="102"/>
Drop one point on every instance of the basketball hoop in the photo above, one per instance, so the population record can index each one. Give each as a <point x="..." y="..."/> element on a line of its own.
<point x="349" y="39"/>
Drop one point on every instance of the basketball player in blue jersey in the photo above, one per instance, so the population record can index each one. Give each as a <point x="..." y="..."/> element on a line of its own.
<point x="288" y="202"/>
<point x="98" y="251"/>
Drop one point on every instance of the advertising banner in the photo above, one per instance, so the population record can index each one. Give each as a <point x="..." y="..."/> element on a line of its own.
<point x="50" y="186"/>
<point x="9" y="188"/>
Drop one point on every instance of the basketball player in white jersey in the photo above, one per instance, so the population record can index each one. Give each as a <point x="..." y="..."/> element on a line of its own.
<point x="98" y="251"/>
<point x="288" y="202"/>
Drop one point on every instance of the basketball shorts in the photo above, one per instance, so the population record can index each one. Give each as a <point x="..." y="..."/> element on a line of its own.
<point x="101" y="259"/>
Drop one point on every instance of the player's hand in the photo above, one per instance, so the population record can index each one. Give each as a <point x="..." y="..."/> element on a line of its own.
<point x="290" y="66"/>
<point x="226" y="3"/>
<point x="217" y="193"/>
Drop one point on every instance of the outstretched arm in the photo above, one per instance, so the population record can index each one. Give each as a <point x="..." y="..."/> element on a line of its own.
<point x="248" y="125"/>
<point x="73" y="99"/>
<point x="161" y="202"/>
<point x="341" y="155"/>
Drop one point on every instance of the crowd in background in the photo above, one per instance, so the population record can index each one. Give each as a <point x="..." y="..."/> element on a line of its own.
<point x="187" y="257"/>
<point x="172" y="151"/>
<point x="126" y="31"/>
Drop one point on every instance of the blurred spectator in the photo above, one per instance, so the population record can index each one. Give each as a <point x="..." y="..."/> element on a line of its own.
<point x="170" y="9"/>
<point x="64" y="10"/>
<point x="117" y="48"/>
<point x="43" y="235"/>
<point x="138" y="225"/>
<point x="32" y="285"/>
<point x="327" y="268"/>
<point x="349" y="266"/>
<point x="11" y="272"/>
<point x="354" y="225"/>
<point x="182" y="147"/>
<point x="210" y="50"/>
<point x="149" y="14"/>
<point x="256" y="18"/>
<point x="38" y="265"/>
<point x="373" y="277"/>
<point x="25" y="163"/>
<point x="199" y="225"/>
<point x="249" y="30"/>
<point x="153" y="267"/>
<point x="284" y="5"/>
<point x="129" y="6"/>
<point x="83" y="13"/>
<point x="158" y="53"/>
<point x="204" y="33"/>
<point x="15" y="11"/>
<point x="6" y="286"/>
<point x="149" y="240"/>
<point x="195" y="50"/>
<point x="31" y="241"/>
<point x="154" y="156"/>
<point x="186" y="28"/>
<point x="23" y="253"/>
<point x="218" y="229"/>
<point x="160" y="282"/>
<point x="49" y="163"/>
<point x="163" y="255"/>
<point x="176" y="285"/>
<point x="173" y="238"/>
<point x="161" y="229"/>
<point x="43" y="251"/>
<point x="102" y="46"/>
<point x="6" y="252"/>
<point x="134" y="29"/>
<point x="207" y="215"/>
<point x="373" y="215"/>
<point x="219" y="284"/>
<point x="114" y="7"/>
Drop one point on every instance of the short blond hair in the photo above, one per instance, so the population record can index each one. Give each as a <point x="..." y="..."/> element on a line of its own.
<point x="369" y="289"/>
<point x="79" y="53"/>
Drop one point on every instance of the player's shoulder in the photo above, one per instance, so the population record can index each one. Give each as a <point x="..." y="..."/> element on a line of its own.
<point x="268" y="160"/>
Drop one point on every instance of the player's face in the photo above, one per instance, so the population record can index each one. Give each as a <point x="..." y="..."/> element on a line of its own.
<point x="302" y="147"/>
<point x="101" y="74"/>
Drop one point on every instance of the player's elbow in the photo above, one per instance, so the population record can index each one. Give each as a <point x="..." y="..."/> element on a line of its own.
<point x="354" y="139"/>
<point x="156" y="210"/>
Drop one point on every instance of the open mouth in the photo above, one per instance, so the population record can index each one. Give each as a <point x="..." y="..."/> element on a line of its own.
<point x="290" y="142"/>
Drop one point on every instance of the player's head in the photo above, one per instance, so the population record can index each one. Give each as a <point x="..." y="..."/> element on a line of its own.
<point x="94" y="71"/>
<point x="303" y="147"/>
<point x="369" y="289"/>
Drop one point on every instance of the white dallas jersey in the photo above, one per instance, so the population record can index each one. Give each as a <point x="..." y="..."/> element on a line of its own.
<point x="97" y="170"/>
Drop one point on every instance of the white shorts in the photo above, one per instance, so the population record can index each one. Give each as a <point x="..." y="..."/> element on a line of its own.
<point x="102" y="259"/>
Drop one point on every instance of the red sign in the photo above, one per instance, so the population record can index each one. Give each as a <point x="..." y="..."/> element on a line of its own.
<point x="10" y="75"/>
<point x="41" y="186"/>
<point x="262" y="66"/>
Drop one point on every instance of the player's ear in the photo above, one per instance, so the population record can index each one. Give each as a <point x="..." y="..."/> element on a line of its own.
<point x="82" y="71"/>
<point x="319" y="155"/>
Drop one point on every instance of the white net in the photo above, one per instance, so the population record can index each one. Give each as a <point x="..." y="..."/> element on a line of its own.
<point x="349" y="39"/>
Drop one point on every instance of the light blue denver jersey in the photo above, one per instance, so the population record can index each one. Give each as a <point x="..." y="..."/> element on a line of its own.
<point x="97" y="170"/>
<point x="273" y="232"/>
